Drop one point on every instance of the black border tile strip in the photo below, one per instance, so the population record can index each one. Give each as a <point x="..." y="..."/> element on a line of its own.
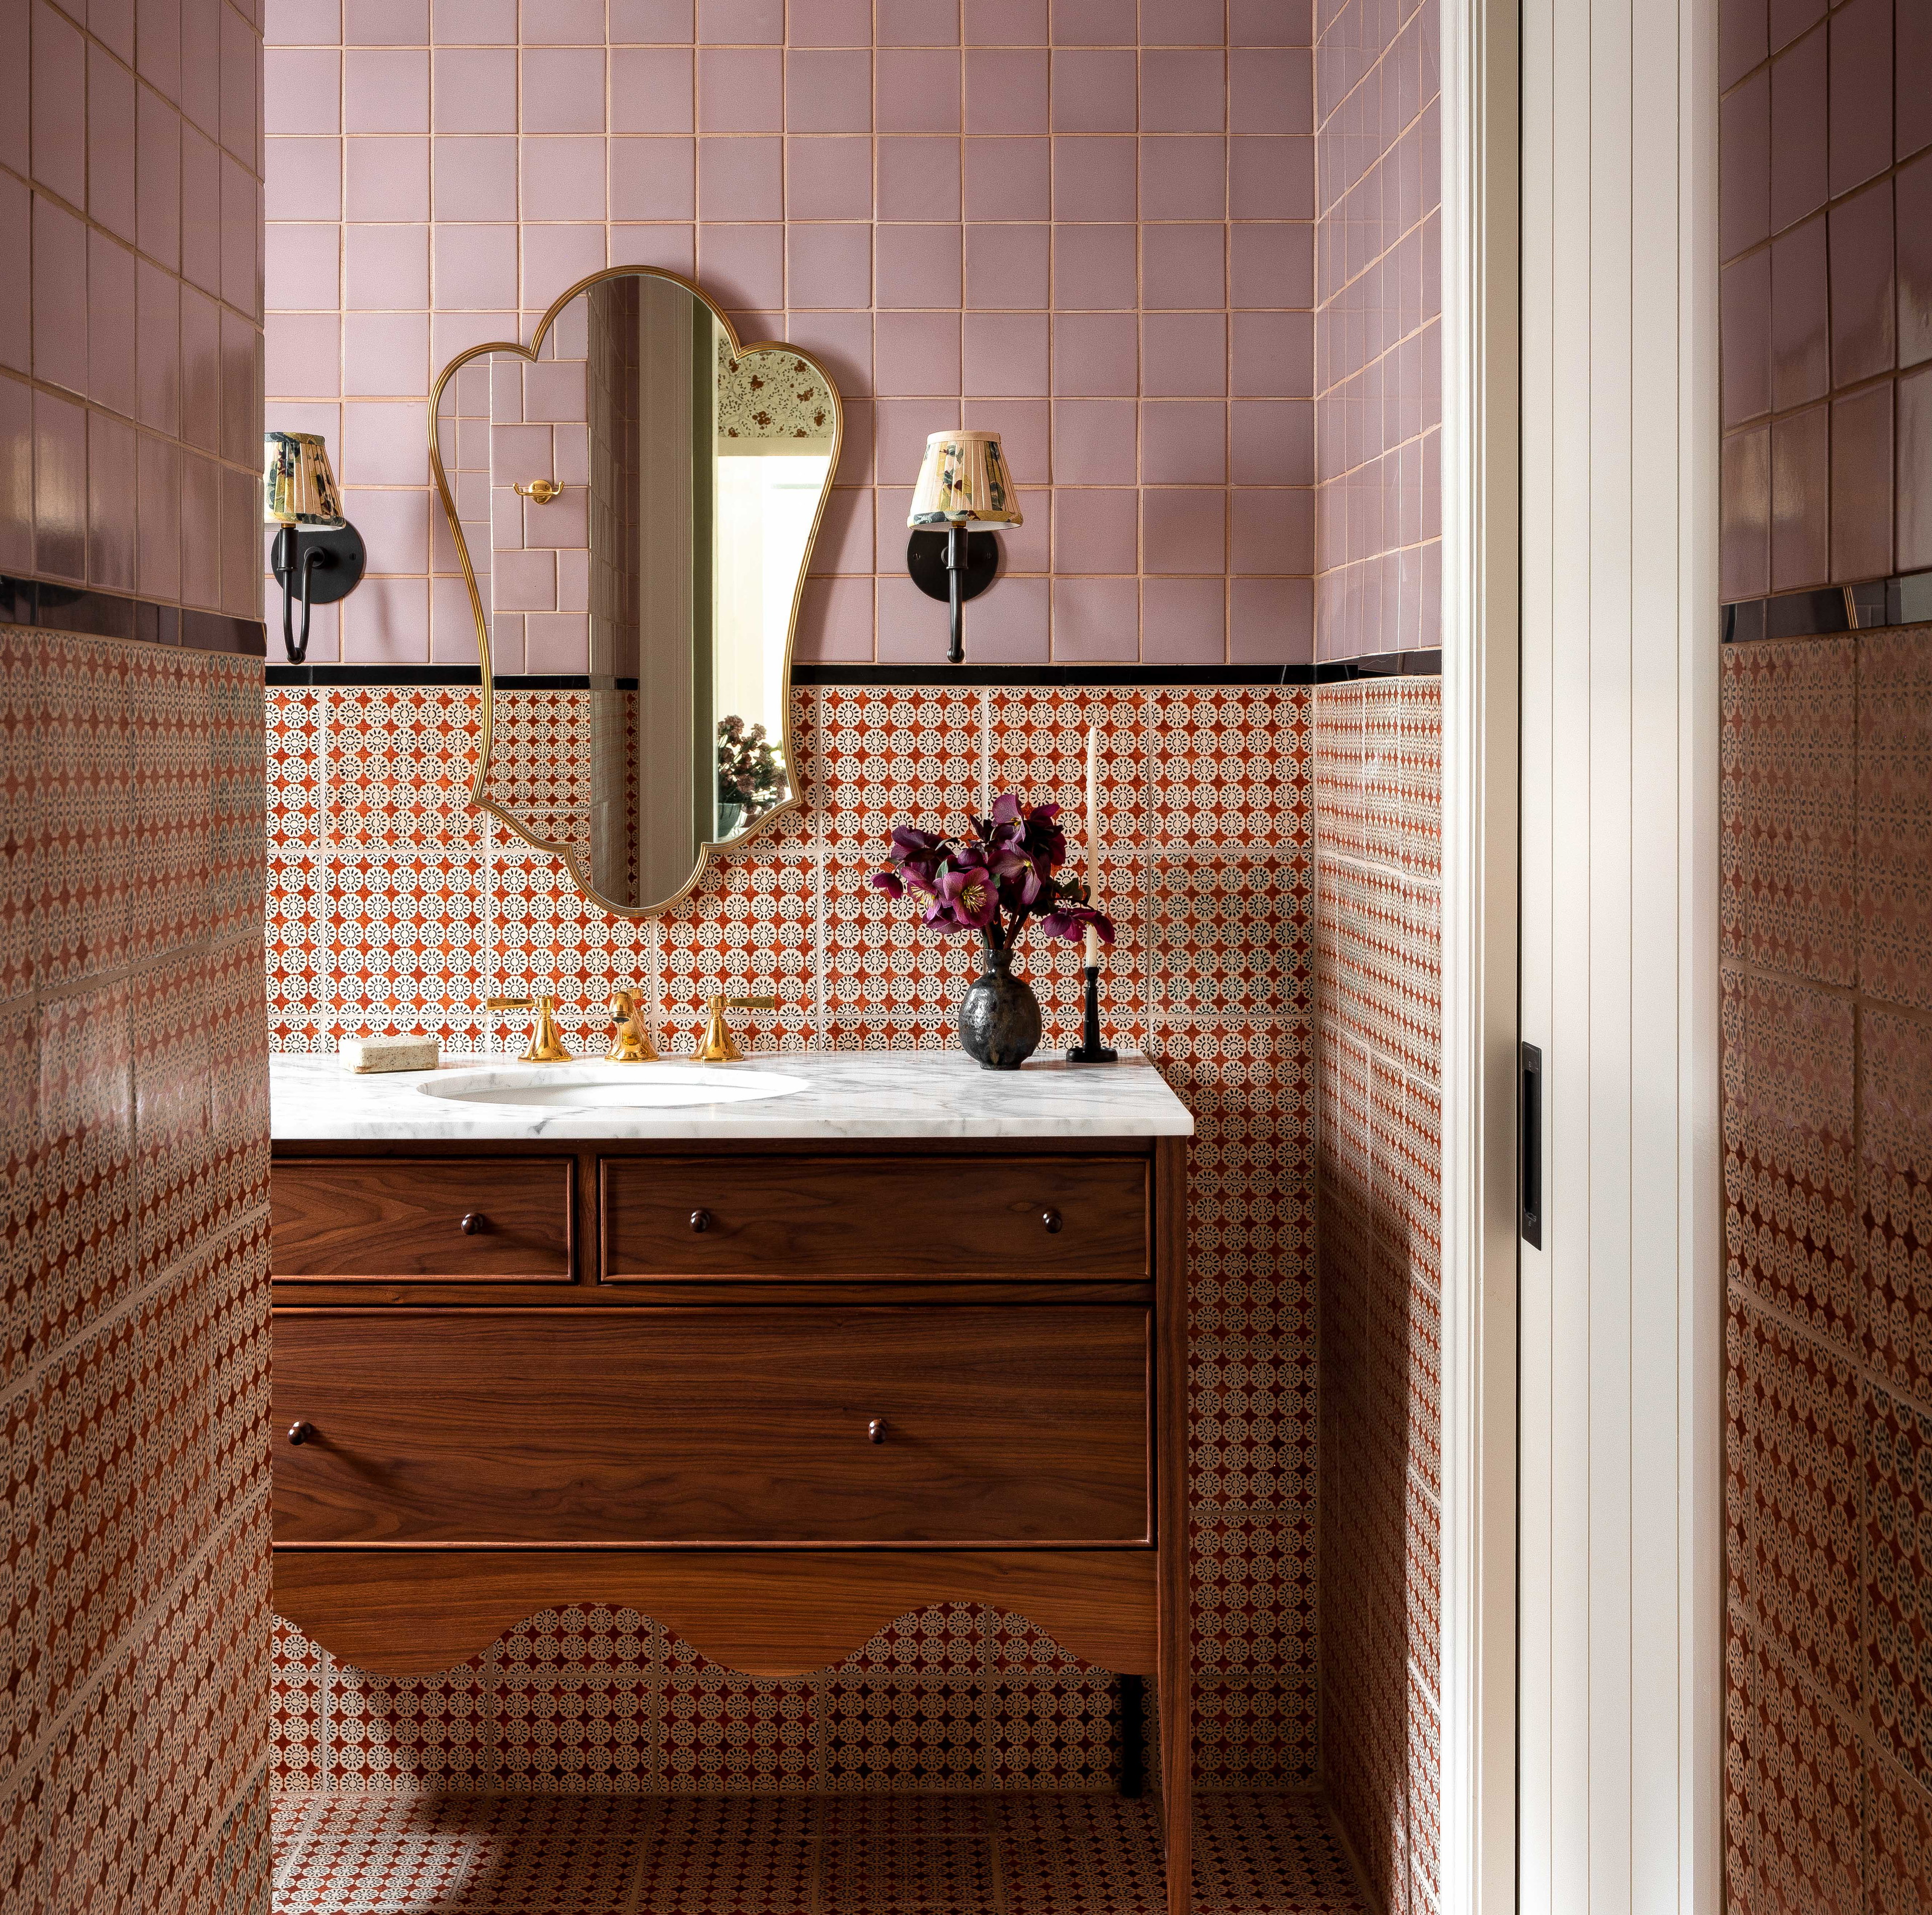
<point x="1381" y="665"/>
<point x="47" y="606"/>
<point x="1870" y="606"/>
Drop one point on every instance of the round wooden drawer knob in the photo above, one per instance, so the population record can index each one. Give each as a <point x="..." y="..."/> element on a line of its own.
<point x="700" y="1220"/>
<point x="473" y="1220"/>
<point x="1050" y="1218"/>
<point x="875" y="1430"/>
<point x="301" y="1432"/>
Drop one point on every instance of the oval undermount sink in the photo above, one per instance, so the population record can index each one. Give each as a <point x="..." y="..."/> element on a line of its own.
<point x="611" y="1086"/>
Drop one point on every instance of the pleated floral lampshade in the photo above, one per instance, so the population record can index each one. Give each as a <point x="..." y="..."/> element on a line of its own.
<point x="964" y="481"/>
<point x="297" y="488"/>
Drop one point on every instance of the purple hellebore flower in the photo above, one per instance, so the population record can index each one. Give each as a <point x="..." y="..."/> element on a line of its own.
<point x="888" y="881"/>
<point x="1069" y="921"/>
<point x="972" y="894"/>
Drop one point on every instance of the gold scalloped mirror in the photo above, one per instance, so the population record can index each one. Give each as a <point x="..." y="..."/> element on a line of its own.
<point x="634" y="496"/>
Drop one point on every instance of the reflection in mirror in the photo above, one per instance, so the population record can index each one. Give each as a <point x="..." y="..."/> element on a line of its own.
<point x="636" y="499"/>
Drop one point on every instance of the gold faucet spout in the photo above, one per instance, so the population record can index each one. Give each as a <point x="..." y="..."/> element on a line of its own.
<point x="631" y="1041"/>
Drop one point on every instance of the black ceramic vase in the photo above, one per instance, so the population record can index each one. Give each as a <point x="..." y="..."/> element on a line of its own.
<point x="999" y="1018"/>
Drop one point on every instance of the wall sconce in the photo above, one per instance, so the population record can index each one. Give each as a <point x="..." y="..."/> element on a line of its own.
<point x="317" y="551"/>
<point x="963" y="482"/>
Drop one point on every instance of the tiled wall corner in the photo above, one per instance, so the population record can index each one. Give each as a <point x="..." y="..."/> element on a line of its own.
<point x="1827" y="1044"/>
<point x="1377" y="805"/>
<point x="1090" y="228"/>
<point x="130" y="332"/>
<point x="394" y="906"/>
<point x="133" y="1403"/>
<point x="1825" y="231"/>
<point x="1377" y="330"/>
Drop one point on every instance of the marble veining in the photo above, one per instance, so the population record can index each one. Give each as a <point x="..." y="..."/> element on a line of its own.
<point x="846" y="1093"/>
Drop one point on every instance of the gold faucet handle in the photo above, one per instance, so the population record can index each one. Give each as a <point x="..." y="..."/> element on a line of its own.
<point x="630" y="1042"/>
<point x="718" y="1046"/>
<point x="546" y="1044"/>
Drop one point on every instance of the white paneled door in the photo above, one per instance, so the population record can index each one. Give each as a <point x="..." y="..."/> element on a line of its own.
<point x="1620" y="1650"/>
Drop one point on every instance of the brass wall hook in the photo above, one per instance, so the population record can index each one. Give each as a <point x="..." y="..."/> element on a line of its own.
<point x="630" y="1042"/>
<point x="540" y="490"/>
<point x="546" y="1044"/>
<point x="718" y="1046"/>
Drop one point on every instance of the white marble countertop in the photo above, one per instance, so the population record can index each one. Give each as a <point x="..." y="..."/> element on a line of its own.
<point x="845" y="1094"/>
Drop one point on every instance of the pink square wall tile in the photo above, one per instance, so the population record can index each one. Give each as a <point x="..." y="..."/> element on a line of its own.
<point x="303" y="180"/>
<point x="1862" y="485"/>
<point x="16" y="475"/>
<point x="1006" y="91"/>
<point x="1270" y="354"/>
<point x="651" y="179"/>
<point x="916" y="91"/>
<point x="652" y="20"/>
<point x="740" y="90"/>
<point x="555" y="256"/>
<point x="828" y="91"/>
<point x="1743" y="217"/>
<point x="1184" y="355"/>
<point x="383" y="90"/>
<point x="201" y="211"/>
<point x="1271" y="621"/>
<point x="1271" y="441"/>
<point x="916" y="266"/>
<point x="1864" y="310"/>
<point x="388" y="179"/>
<point x="157" y="519"/>
<point x="652" y="90"/>
<point x="1861" y="92"/>
<point x="1272" y="531"/>
<point x="1004" y="355"/>
<point x="1743" y="42"/>
<point x="59" y="295"/>
<point x="472" y="177"/>
<point x="1271" y="178"/>
<point x="832" y="23"/>
<point x="1911" y="53"/>
<point x="1095" y="530"/>
<point x="1801" y="499"/>
<point x="836" y="619"/>
<point x="563" y="178"/>
<point x="1096" y="91"/>
<point x="1096" y="268"/>
<point x="1095" y="355"/>
<point x="740" y="179"/>
<point x="387" y="621"/>
<point x="742" y="266"/>
<point x="1184" y="443"/>
<point x="916" y="353"/>
<point x="1271" y="264"/>
<point x="565" y="21"/>
<point x="902" y="428"/>
<point x="474" y="90"/>
<point x="1800" y="364"/>
<point x="157" y="347"/>
<point x="110" y="143"/>
<point x="383" y="444"/>
<point x="1093" y="23"/>
<point x="918" y="178"/>
<point x="1912" y="261"/>
<point x="1183" y="621"/>
<point x="1008" y="179"/>
<point x="917" y="22"/>
<point x="742" y="23"/>
<point x="1799" y="161"/>
<point x="59" y="83"/>
<point x="60" y="487"/>
<point x="111" y="380"/>
<point x="158" y="180"/>
<point x="1184" y="265"/>
<point x="302" y="353"/>
<point x="1184" y="177"/>
<point x="111" y="491"/>
<point x="1096" y="621"/>
<point x="200" y="383"/>
<point x="387" y="268"/>
<point x="563" y="89"/>
<point x="1192" y="92"/>
<point x="829" y="178"/>
<point x="1744" y="306"/>
<point x="1095" y="442"/>
<point x="1024" y="427"/>
<point x="1184" y="528"/>
<point x="386" y="22"/>
<point x="1008" y="266"/>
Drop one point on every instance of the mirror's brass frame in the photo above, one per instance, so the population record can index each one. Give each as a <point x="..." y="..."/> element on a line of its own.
<point x="711" y="848"/>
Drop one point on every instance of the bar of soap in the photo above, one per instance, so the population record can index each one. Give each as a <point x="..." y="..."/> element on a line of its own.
<point x="368" y="1054"/>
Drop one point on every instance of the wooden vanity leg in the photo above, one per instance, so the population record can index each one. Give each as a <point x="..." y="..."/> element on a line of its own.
<point x="1175" y="1650"/>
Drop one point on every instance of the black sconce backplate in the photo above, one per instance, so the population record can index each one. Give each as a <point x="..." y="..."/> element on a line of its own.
<point x="343" y="559"/>
<point x="925" y="560"/>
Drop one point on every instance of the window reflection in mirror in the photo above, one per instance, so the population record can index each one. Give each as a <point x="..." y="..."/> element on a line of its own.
<point x="637" y="504"/>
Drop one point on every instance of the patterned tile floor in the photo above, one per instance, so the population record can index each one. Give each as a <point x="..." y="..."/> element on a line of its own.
<point x="351" y="1854"/>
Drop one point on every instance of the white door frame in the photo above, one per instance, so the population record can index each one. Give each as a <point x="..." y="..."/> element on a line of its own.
<point x="1480" y="189"/>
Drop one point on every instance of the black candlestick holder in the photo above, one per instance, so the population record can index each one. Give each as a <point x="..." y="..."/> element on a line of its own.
<point x="1090" y="1049"/>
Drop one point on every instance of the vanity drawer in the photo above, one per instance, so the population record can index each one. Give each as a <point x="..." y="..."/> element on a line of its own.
<point x="915" y="1217"/>
<point x="737" y="1425"/>
<point x="495" y="1219"/>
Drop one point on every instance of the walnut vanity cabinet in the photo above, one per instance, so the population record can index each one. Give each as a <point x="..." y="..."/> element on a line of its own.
<point x="774" y="1395"/>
